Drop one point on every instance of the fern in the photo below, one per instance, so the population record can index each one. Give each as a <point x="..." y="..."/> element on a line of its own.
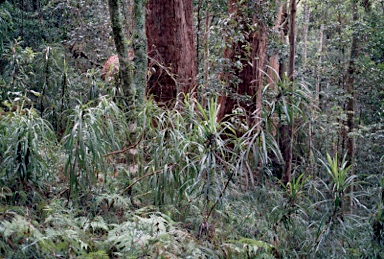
<point x="250" y="247"/>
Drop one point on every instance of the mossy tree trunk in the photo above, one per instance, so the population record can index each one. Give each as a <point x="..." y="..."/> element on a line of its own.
<point x="140" y="49"/>
<point x="125" y="67"/>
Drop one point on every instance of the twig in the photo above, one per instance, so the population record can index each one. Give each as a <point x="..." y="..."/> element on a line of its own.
<point x="139" y="179"/>
<point x="221" y="194"/>
<point x="61" y="193"/>
<point x="125" y="149"/>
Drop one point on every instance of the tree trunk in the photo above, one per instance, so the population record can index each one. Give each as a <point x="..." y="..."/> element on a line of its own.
<point x="206" y="56"/>
<point x="251" y="74"/>
<point x="274" y="64"/>
<point x="274" y="61"/>
<point x="125" y="77"/>
<point x="307" y="14"/>
<point x="292" y="40"/>
<point x="171" y="49"/>
<point x="318" y="77"/>
<point x="140" y="50"/>
<point x="287" y="130"/>
<point x="350" y="90"/>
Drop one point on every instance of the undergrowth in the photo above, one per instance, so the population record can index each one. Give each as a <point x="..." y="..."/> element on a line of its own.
<point x="177" y="185"/>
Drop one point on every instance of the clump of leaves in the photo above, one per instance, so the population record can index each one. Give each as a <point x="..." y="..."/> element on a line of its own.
<point x="91" y="132"/>
<point x="339" y="178"/>
<point x="26" y="139"/>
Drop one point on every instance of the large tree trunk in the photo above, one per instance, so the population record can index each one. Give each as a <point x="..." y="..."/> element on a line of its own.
<point x="251" y="74"/>
<point x="125" y="77"/>
<point x="169" y="28"/>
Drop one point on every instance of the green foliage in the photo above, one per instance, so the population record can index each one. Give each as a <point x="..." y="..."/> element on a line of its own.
<point x="338" y="173"/>
<point x="90" y="134"/>
<point x="246" y="247"/>
<point x="26" y="142"/>
<point x="205" y="189"/>
<point x="339" y="178"/>
<point x="18" y="70"/>
<point x="6" y="24"/>
<point x="195" y="157"/>
<point x="141" y="233"/>
<point x="36" y="22"/>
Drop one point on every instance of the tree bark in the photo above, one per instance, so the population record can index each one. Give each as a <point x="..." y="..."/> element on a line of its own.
<point x="206" y="55"/>
<point x="251" y="74"/>
<point x="318" y="77"/>
<point x="171" y="49"/>
<point x="274" y="64"/>
<point x="140" y="50"/>
<point x="274" y="68"/>
<point x="350" y="90"/>
<point x="287" y="130"/>
<point x="307" y="14"/>
<point x="125" y="77"/>
<point x="292" y="40"/>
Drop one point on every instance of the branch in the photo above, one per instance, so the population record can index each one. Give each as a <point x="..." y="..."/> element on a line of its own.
<point x="141" y="178"/>
<point x="221" y="194"/>
<point x="125" y="149"/>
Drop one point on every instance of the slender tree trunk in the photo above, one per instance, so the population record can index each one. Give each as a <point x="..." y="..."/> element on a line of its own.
<point x="171" y="49"/>
<point x="350" y="90"/>
<point x="307" y="14"/>
<point x="318" y="77"/>
<point x="287" y="130"/>
<point x="199" y="18"/>
<point x="140" y="49"/>
<point x="206" y="55"/>
<point x="274" y="65"/>
<point x="292" y="40"/>
<point x="125" y="77"/>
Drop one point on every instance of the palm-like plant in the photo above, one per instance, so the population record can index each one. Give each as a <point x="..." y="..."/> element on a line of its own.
<point x="339" y="178"/>
<point x="92" y="131"/>
<point x="341" y="182"/>
<point x="26" y="140"/>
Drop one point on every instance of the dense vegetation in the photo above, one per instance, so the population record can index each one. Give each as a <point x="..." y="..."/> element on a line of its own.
<point x="88" y="173"/>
